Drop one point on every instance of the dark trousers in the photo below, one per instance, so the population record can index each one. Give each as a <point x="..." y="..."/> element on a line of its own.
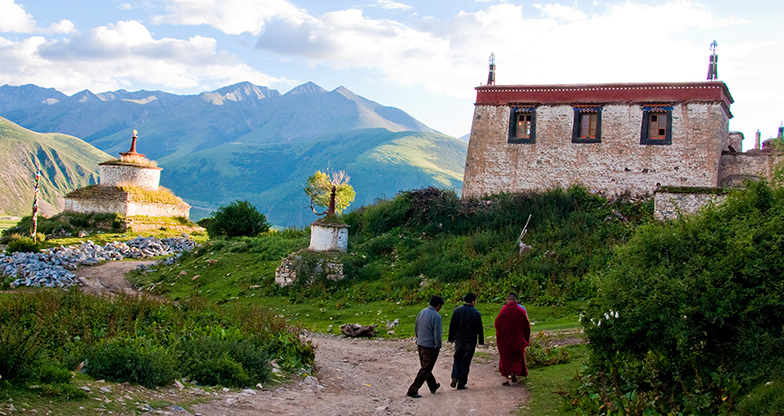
<point x="427" y="360"/>
<point x="464" y="352"/>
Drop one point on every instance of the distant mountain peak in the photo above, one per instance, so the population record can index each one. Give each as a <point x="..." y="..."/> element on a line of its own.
<point x="345" y="92"/>
<point x="243" y="91"/>
<point x="307" y="88"/>
<point x="85" y="96"/>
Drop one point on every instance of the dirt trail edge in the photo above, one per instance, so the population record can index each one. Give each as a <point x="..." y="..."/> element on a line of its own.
<point x="108" y="278"/>
<point x="354" y="376"/>
<point x="370" y="377"/>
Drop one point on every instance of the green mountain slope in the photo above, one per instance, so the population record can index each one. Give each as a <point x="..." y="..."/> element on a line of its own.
<point x="66" y="163"/>
<point x="380" y="163"/>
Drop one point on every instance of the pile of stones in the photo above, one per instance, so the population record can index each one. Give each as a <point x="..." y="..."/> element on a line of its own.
<point x="52" y="267"/>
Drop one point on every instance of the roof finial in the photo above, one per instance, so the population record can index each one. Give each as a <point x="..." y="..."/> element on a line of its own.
<point x="133" y="143"/>
<point x="129" y="155"/>
<point x="713" y="65"/>
<point x="491" y="75"/>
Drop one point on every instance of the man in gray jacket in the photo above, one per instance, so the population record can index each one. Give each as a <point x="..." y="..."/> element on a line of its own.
<point x="428" y="330"/>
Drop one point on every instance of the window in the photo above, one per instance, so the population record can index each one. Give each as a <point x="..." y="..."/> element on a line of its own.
<point x="522" y="125"/>
<point x="587" y="125"/>
<point x="656" y="125"/>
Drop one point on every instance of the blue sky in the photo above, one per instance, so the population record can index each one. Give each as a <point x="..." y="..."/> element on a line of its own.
<point x="424" y="57"/>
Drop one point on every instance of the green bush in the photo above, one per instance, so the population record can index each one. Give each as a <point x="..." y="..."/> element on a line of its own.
<point x="21" y="353"/>
<point x="22" y="245"/>
<point x="223" y="371"/>
<point x="228" y="362"/>
<point x="138" y="340"/>
<point x="137" y="361"/>
<point x="238" y="219"/>
<point x="693" y="309"/>
<point x="69" y="223"/>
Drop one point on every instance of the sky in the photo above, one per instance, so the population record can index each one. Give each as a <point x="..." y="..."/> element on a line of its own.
<point x="422" y="56"/>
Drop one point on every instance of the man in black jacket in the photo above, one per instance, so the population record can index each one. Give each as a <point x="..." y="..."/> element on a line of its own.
<point x="465" y="329"/>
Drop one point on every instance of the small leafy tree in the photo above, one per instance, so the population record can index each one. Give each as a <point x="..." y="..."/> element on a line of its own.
<point x="330" y="190"/>
<point x="237" y="219"/>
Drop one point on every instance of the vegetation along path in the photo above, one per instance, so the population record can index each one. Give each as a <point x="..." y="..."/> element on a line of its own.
<point x="354" y="376"/>
<point x="370" y="377"/>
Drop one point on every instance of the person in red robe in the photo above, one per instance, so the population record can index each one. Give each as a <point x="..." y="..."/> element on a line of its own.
<point x="513" y="334"/>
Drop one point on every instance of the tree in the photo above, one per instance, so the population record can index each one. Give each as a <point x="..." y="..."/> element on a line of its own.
<point x="330" y="190"/>
<point x="237" y="219"/>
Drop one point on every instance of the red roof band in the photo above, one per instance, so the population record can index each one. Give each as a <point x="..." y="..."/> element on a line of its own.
<point x="670" y="92"/>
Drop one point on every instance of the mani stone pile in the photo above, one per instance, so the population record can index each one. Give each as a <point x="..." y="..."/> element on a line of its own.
<point x="52" y="267"/>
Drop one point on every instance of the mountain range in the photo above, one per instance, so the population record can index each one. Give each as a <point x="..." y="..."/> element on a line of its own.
<point x="249" y="142"/>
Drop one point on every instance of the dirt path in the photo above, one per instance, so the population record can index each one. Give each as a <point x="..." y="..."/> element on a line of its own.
<point x="108" y="278"/>
<point x="370" y="377"/>
<point x="354" y="376"/>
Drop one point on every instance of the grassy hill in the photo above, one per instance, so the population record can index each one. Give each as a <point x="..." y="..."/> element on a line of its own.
<point x="66" y="163"/>
<point x="380" y="163"/>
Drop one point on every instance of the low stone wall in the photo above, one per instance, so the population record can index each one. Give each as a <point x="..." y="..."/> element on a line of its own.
<point x="140" y="176"/>
<point x="157" y="210"/>
<point x="311" y="267"/>
<point x="669" y="204"/>
<point x="754" y="164"/>
<point x="105" y="199"/>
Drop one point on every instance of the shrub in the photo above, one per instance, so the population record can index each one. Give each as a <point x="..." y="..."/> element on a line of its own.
<point x="68" y="223"/>
<point x="22" y="245"/>
<point x="136" y="360"/>
<point x="238" y="219"/>
<point x="698" y="303"/>
<point x="222" y="371"/>
<point x="21" y="353"/>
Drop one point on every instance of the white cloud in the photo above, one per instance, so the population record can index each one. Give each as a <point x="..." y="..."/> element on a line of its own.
<point x="390" y="4"/>
<point x="563" y="13"/>
<point x="119" y="55"/>
<point x="64" y="26"/>
<point x="627" y="42"/>
<point x="229" y="16"/>
<point x="14" y="18"/>
<point x="125" y="6"/>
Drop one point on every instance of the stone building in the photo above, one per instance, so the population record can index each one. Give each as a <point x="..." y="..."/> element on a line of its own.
<point x="129" y="186"/>
<point x="611" y="138"/>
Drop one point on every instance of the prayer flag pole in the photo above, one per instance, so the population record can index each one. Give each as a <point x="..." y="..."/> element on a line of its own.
<point x="35" y="201"/>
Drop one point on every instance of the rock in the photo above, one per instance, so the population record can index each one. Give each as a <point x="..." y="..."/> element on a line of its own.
<point x="178" y="384"/>
<point x="106" y="390"/>
<point x="51" y="267"/>
<point x="249" y="391"/>
<point x="85" y="388"/>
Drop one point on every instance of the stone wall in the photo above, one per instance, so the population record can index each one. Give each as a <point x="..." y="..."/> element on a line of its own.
<point x="616" y="165"/>
<point x="754" y="164"/>
<point x="299" y="265"/>
<point x="669" y="205"/>
<point x="117" y="174"/>
<point x="104" y="199"/>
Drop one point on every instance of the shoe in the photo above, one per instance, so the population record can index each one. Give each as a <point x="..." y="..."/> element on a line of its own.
<point x="414" y="396"/>
<point x="514" y="378"/>
<point x="505" y="383"/>
<point x="433" y="390"/>
<point x="454" y="383"/>
<point x="461" y="387"/>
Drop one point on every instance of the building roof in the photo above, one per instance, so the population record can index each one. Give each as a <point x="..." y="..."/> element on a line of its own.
<point x="663" y="92"/>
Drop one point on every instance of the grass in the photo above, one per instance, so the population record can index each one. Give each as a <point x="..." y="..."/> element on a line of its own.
<point x="7" y="222"/>
<point x="543" y="383"/>
<point x="119" y="399"/>
<point x="103" y="238"/>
